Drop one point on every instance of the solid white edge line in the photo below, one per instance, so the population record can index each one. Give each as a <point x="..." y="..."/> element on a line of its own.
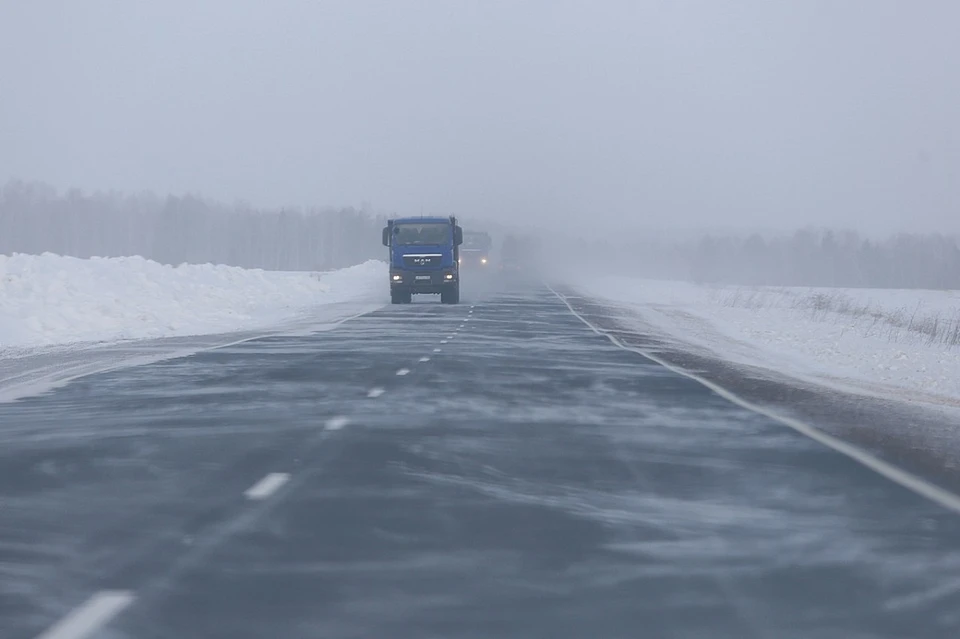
<point x="267" y="486"/>
<point x="92" y="615"/>
<point x="897" y="475"/>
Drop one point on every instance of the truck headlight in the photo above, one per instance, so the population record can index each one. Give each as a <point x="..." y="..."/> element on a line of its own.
<point x="396" y="278"/>
<point x="449" y="276"/>
<point x="483" y="260"/>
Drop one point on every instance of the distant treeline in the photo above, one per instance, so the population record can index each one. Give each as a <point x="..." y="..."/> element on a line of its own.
<point x="808" y="257"/>
<point x="827" y="258"/>
<point x="35" y="218"/>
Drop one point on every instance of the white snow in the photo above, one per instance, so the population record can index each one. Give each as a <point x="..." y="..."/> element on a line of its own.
<point x="63" y="318"/>
<point x="896" y="343"/>
<point x="50" y="300"/>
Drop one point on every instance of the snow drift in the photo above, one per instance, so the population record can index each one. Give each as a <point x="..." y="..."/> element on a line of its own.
<point x="894" y="343"/>
<point x="51" y="300"/>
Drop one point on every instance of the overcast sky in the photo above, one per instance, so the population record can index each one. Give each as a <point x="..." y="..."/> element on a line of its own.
<point x="760" y="113"/>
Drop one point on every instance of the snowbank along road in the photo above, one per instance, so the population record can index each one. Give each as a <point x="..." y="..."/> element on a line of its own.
<point x="493" y="469"/>
<point x="52" y="300"/>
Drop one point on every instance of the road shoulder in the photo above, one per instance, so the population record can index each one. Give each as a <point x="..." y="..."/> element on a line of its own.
<point x="923" y="438"/>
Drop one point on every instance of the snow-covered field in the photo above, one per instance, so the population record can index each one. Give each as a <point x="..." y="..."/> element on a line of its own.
<point x="50" y="299"/>
<point x="903" y="343"/>
<point x="63" y="318"/>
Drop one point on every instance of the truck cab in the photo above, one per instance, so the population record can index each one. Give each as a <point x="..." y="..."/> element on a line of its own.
<point x="424" y="258"/>
<point x="475" y="252"/>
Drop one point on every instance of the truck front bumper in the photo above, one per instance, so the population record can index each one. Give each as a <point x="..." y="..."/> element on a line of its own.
<point x="423" y="282"/>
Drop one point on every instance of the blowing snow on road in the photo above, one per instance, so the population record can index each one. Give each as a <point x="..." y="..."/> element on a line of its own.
<point x="481" y="320"/>
<point x="493" y="469"/>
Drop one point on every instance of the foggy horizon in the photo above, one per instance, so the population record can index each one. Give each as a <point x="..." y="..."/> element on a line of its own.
<point x="662" y="115"/>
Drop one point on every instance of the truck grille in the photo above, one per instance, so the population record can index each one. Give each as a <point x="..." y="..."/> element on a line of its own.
<point x="422" y="260"/>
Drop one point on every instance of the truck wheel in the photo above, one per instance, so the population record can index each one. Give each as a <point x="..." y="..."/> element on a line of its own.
<point x="451" y="295"/>
<point x="400" y="297"/>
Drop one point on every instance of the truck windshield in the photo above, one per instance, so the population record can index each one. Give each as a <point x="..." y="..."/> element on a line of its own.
<point x="436" y="233"/>
<point x="478" y="241"/>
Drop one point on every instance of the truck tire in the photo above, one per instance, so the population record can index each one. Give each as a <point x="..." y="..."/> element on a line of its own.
<point x="400" y="297"/>
<point x="451" y="295"/>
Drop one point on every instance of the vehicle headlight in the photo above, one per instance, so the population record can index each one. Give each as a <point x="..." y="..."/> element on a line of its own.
<point x="483" y="260"/>
<point x="396" y="278"/>
<point x="449" y="276"/>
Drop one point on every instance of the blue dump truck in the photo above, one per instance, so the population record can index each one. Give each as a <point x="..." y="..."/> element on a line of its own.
<point x="424" y="258"/>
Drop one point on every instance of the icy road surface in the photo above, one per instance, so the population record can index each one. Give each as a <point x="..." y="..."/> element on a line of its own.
<point x="494" y="469"/>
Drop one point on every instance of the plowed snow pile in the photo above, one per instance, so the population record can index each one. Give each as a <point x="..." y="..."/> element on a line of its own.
<point x="51" y="300"/>
<point x="903" y="343"/>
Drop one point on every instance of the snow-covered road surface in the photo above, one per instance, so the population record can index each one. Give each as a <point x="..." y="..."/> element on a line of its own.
<point x="530" y="480"/>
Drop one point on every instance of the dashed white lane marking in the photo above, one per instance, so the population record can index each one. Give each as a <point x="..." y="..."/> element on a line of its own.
<point x="895" y="474"/>
<point x="403" y="371"/>
<point x="425" y="359"/>
<point x="267" y="486"/>
<point x="437" y="350"/>
<point x="95" y="613"/>
<point x="375" y="392"/>
<point x="443" y="341"/>
<point x="336" y="423"/>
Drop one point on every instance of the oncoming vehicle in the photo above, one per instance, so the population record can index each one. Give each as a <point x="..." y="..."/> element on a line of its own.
<point x="424" y="258"/>
<point x="475" y="251"/>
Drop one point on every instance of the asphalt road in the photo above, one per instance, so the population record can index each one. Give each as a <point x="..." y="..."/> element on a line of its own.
<point x="493" y="469"/>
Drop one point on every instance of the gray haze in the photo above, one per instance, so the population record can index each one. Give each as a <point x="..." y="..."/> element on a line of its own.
<point x="756" y="114"/>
